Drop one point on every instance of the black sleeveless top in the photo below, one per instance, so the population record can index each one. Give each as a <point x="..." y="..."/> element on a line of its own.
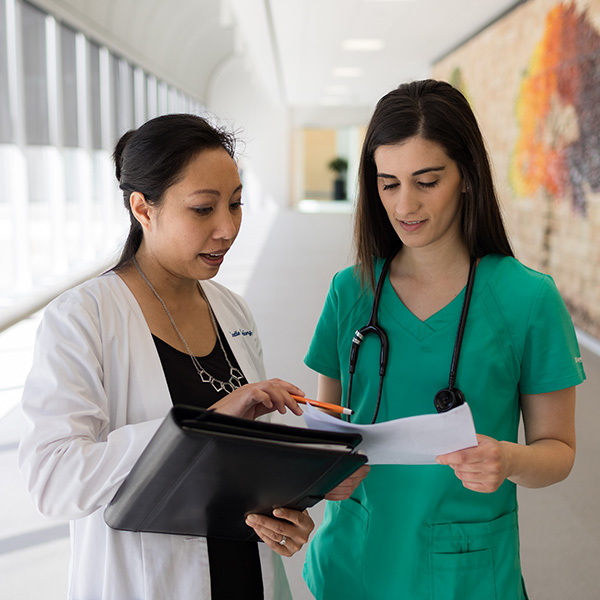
<point x="234" y="566"/>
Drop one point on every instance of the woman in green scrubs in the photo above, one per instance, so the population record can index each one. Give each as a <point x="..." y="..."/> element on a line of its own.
<point x="445" y="531"/>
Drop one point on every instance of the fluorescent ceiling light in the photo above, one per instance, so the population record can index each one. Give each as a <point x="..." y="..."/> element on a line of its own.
<point x="365" y="45"/>
<point x="347" y="72"/>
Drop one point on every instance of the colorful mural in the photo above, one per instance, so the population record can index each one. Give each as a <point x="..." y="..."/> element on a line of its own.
<point x="558" y="110"/>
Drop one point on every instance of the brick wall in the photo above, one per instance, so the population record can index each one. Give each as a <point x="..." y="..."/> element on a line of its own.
<point x="533" y="79"/>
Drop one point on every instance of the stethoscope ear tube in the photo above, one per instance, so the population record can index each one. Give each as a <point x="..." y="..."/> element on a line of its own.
<point x="371" y="327"/>
<point x="356" y="340"/>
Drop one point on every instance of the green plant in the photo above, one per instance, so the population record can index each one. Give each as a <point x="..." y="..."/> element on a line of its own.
<point x="338" y="165"/>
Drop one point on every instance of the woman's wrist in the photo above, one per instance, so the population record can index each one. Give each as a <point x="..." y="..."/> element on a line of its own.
<point x="539" y="464"/>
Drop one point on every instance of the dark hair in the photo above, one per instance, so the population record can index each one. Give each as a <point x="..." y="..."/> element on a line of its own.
<point x="438" y="112"/>
<point x="151" y="159"/>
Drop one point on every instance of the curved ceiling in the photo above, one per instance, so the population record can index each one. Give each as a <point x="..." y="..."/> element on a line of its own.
<point x="294" y="46"/>
<point x="181" y="41"/>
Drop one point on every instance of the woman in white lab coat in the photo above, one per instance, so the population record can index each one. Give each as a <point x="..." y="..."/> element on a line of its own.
<point x="115" y="353"/>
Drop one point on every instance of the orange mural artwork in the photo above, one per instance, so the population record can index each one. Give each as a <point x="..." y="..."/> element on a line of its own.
<point x="558" y="110"/>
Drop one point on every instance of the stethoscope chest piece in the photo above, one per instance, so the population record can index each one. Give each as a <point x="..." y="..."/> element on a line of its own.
<point x="448" y="399"/>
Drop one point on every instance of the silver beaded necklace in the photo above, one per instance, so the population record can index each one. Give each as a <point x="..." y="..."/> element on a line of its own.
<point x="235" y="375"/>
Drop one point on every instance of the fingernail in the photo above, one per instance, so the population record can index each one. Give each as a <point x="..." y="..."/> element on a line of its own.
<point x="278" y="512"/>
<point x="251" y="519"/>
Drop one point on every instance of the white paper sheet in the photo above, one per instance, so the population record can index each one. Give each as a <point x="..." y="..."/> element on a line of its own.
<point x="408" y="441"/>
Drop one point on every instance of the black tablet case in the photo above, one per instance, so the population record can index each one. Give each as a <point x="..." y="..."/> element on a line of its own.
<point x="203" y="472"/>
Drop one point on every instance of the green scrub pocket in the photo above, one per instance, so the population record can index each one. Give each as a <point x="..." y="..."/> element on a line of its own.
<point x="476" y="560"/>
<point x="335" y="557"/>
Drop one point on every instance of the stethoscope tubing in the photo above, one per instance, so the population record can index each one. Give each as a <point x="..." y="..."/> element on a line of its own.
<point x="373" y="327"/>
<point x="461" y="325"/>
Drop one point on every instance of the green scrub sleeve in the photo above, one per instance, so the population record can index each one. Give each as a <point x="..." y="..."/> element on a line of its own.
<point x="322" y="355"/>
<point x="551" y="357"/>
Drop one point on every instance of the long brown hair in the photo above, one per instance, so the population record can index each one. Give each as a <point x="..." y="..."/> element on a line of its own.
<point x="438" y="112"/>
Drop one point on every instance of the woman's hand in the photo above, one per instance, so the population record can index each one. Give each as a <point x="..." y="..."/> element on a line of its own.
<point x="482" y="468"/>
<point x="256" y="399"/>
<point x="344" y="490"/>
<point x="285" y="536"/>
<point x="546" y="457"/>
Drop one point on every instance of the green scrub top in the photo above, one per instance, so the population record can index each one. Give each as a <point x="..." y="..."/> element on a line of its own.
<point x="414" y="532"/>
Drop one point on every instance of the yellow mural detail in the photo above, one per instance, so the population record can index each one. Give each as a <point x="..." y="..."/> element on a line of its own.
<point x="557" y="148"/>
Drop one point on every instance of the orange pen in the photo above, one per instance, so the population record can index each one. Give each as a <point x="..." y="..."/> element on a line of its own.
<point x="336" y="408"/>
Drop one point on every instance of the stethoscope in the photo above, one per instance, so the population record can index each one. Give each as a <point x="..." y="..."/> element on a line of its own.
<point x="445" y="399"/>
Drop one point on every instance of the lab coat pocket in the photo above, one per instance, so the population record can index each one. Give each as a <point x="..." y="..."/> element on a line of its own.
<point x="476" y="560"/>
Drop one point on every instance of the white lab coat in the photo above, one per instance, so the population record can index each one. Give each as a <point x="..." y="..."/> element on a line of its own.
<point x="95" y="396"/>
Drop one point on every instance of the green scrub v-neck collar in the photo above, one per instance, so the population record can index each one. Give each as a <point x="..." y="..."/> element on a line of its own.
<point x="449" y="315"/>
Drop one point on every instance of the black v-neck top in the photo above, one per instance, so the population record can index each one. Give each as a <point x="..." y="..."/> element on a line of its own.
<point x="185" y="385"/>
<point x="234" y="566"/>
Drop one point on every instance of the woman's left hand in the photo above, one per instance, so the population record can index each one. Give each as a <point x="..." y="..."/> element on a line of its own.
<point x="482" y="468"/>
<point x="285" y="536"/>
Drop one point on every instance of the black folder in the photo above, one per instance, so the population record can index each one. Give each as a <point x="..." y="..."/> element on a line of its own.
<point x="203" y="472"/>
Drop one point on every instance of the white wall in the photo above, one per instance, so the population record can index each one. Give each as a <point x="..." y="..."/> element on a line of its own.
<point x="241" y="103"/>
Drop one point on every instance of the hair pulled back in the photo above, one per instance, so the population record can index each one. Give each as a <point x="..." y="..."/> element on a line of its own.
<point x="152" y="158"/>
<point x="438" y="112"/>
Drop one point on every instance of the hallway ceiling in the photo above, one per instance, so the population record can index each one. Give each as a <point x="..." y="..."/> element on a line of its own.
<point x="295" y="47"/>
<point x="308" y="59"/>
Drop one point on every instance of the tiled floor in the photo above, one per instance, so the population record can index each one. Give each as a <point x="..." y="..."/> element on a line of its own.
<point x="282" y="264"/>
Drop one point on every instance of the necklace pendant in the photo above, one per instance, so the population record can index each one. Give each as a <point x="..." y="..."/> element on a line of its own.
<point x="229" y="387"/>
<point x="235" y="374"/>
<point x="219" y="386"/>
<point x="206" y="377"/>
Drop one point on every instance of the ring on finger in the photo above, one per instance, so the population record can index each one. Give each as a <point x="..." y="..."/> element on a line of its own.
<point x="283" y="540"/>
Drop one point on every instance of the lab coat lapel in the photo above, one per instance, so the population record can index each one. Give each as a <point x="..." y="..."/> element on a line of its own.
<point x="239" y="330"/>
